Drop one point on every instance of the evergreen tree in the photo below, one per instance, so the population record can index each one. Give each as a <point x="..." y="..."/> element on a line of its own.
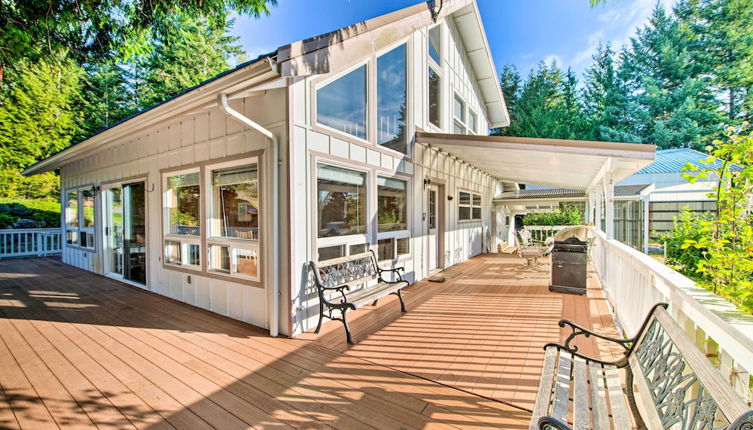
<point x="510" y="83"/>
<point x="37" y="119"/>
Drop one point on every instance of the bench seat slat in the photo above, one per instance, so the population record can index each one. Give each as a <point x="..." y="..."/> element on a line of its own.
<point x="544" y="395"/>
<point x="620" y="415"/>
<point x="371" y="293"/>
<point x="562" y="387"/>
<point x="581" y="417"/>
<point x="598" y="396"/>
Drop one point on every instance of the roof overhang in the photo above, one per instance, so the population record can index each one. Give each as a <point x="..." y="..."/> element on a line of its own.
<point x="572" y="164"/>
<point x="255" y="74"/>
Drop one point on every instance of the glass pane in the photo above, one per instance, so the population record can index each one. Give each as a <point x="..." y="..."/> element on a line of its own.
<point x="458" y="128"/>
<point x="392" y="78"/>
<point x="87" y="208"/>
<point x="342" y="201"/>
<point x="464" y="198"/>
<point x="459" y="108"/>
<point x="71" y="237"/>
<point x="472" y="122"/>
<point x="432" y="209"/>
<point x="357" y="249"/>
<point x="172" y="252"/>
<point x="246" y="262"/>
<point x="385" y="249"/>
<point x="434" y="97"/>
<point x="135" y="233"/>
<point x="219" y="258"/>
<point x="391" y="204"/>
<point x="330" y="252"/>
<point x="403" y="246"/>
<point x="464" y="213"/>
<point x="183" y="201"/>
<point x="341" y="104"/>
<point x="71" y="209"/>
<point x="86" y="239"/>
<point x="192" y="255"/>
<point x="115" y="229"/>
<point x="235" y="202"/>
<point x="434" y="43"/>
<point x="476" y="200"/>
<point x="476" y="213"/>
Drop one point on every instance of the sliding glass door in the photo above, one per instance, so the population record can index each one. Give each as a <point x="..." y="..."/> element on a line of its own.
<point x="125" y="231"/>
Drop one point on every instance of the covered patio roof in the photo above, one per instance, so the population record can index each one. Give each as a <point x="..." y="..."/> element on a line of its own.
<point x="571" y="164"/>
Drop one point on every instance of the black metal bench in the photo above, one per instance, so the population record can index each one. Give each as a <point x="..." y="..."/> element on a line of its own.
<point x="669" y="383"/>
<point x="334" y="279"/>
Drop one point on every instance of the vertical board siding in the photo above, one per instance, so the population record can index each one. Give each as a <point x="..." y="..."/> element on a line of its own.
<point x="462" y="240"/>
<point x="185" y="140"/>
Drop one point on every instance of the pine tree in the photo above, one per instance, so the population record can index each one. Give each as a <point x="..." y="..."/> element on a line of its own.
<point x="37" y="119"/>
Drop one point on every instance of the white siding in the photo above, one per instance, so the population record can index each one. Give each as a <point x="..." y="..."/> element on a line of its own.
<point x="462" y="240"/>
<point x="182" y="141"/>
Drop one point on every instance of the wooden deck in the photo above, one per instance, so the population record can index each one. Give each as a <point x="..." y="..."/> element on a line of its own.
<point x="482" y="330"/>
<point x="81" y="351"/>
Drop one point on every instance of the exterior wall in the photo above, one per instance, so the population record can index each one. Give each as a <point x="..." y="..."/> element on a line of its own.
<point x="311" y="143"/>
<point x="672" y="186"/>
<point x="181" y="142"/>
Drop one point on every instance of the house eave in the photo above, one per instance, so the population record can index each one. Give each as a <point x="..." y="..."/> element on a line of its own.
<point x="258" y="72"/>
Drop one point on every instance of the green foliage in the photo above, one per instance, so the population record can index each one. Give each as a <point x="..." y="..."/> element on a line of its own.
<point x="567" y="216"/>
<point x="726" y="241"/>
<point x="682" y="258"/>
<point x="11" y="210"/>
<point x="679" y="82"/>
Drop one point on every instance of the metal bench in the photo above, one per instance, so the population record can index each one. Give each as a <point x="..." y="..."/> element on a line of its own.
<point x="669" y="383"/>
<point x="334" y="278"/>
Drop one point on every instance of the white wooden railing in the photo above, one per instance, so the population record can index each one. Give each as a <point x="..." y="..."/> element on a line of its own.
<point x="634" y="281"/>
<point x="540" y="233"/>
<point x="31" y="242"/>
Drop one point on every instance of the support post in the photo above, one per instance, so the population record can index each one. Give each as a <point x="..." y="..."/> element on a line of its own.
<point x="609" y="205"/>
<point x="645" y="224"/>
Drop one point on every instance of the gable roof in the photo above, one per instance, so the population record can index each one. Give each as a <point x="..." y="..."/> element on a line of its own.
<point x="675" y="160"/>
<point x="318" y="55"/>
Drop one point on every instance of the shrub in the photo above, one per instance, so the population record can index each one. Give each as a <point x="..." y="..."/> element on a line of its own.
<point x="568" y="216"/>
<point x="682" y="258"/>
<point x="11" y="210"/>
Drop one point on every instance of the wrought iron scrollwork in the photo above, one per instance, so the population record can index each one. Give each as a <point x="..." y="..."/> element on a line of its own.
<point x="679" y="396"/>
<point x="347" y="271"/>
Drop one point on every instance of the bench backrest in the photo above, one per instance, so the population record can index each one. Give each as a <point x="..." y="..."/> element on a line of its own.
<point x="351" y="270"/>
<point x="685" y="390"/>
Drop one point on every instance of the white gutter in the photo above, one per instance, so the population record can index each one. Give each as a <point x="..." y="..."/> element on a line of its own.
<point x="222" y="102"/>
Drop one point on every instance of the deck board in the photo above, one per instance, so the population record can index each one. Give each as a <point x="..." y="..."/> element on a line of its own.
<point x="482" y="330"/>
<point x="78" y="350"/>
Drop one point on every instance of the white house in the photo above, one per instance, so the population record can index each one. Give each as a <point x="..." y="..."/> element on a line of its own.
<point x="369" y="137"/>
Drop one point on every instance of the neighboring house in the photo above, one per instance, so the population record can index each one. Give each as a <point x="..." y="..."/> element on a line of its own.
<point x="631" y="203"/>
<point x="372" y="137"/>
<point x="672" y="192"/>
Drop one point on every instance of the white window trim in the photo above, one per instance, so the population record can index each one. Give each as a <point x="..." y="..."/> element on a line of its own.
<point x="233" y="244"/>
<point x="408" y="94"/>
<point x="471" y="206"/>
<point x="368" y="105"/>
<point x="351" y="239"/>
<point x="80" y="228"/>
<point x="184" y="240"/>
<point x="455" y="119"/>
<point x="472" y="130"/>
<point x="396" y="234"/>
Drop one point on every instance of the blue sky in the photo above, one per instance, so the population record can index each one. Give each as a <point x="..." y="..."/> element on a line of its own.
<point x="520" y="32"/>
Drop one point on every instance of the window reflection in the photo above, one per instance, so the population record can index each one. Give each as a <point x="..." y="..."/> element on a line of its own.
<point x="434" y="97"/>
<point x="341" y="104"/>
<point x="183" y="197"/>
<point x="391" y="99"/>
<point x="341" y="201"/>
<point x="391" y="204"/>
<point x="235" y="194"/>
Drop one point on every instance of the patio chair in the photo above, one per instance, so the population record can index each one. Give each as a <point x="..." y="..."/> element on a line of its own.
<point x="527" y="249"/>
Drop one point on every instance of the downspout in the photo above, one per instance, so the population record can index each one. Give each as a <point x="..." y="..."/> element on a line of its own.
<point x="222" y="102"/>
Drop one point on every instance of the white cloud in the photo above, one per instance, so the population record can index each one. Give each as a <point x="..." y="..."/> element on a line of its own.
<point x="553" y="58"/>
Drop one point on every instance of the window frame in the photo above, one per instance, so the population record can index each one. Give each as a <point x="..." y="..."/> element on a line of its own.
<point x="395" y="235"/>
<point x="368" y="126"/>
<point x="436" y="67"/>
<point x="184" y="240"/>
<point x="234" y="245"/>
<point x="471" y="205"/>
<point x="346" y="240"/>
<point x="462" y="122"/>
<point x="408" y="99"/>
<point x="80" y="227"/>
<point x="472" y="128"/>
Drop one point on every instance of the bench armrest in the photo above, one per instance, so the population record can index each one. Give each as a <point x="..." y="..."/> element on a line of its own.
<point x="546" y="423"/>
<point x="395" y="270"/>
